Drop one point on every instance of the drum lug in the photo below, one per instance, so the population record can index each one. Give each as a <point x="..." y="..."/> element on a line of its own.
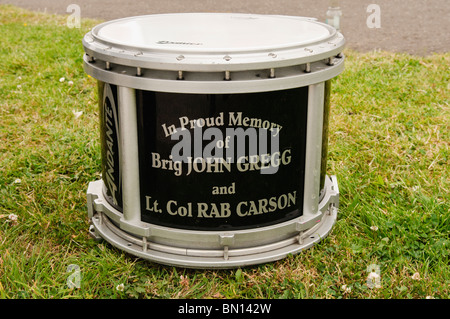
<point x="226" y="239"/>
<point x="98" y="216"/>
<point x="94" y="234"/>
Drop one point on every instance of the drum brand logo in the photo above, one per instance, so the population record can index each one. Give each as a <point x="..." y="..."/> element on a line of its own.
<point x="111" y="142"/>
<point x="182" y="43"/>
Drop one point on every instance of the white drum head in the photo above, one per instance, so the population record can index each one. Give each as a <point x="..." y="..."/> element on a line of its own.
<point x="208" y="42"/>
<point x="212" y="33"/>
<point x="246" y="50"/>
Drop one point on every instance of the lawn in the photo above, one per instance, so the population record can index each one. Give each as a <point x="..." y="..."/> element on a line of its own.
<point x="388" y="145"/>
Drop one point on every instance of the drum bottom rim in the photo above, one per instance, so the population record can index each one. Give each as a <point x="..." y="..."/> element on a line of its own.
<point x="227" y="256"/>
<point x="220" y="259"/>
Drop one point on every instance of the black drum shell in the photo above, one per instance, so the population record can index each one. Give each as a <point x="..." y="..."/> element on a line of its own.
<point x="235" y="196"/>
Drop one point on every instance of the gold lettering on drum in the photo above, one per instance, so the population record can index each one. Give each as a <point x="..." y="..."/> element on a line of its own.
<point x="238" y="120"/>
<point x="224" y="209"/>
<point x="234" y="119"/>
<point x="211" y="210"/>
<point x="226" y="152"/>
<point x="204" y="210"/>
<point x="221" y="165"/>
<point x="266" y="205"/>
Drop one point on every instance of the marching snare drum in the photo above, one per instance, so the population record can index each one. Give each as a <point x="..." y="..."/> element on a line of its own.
<point x="214" y="133"/>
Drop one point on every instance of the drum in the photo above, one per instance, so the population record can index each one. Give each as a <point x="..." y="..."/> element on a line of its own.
<point x="214" y="134"/>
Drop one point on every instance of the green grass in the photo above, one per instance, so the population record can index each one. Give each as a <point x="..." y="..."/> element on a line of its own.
<point x="389" y="147"/>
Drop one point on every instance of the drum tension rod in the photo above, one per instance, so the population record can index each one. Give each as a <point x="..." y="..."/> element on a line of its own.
<point x="300" y="238"/>
<point x="332" y="209"/>
<point x="225" y="253"/>
<point x="226" y="240"/>
<point x="272" y="73"/>
<point x="308" y="68"/>
<point x="144" y="244"/>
